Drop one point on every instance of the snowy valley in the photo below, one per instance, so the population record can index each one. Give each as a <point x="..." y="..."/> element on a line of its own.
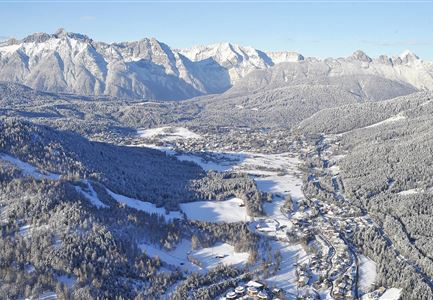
<point x="133" y="170"/>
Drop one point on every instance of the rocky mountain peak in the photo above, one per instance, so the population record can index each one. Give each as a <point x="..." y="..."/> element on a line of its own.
<point x="361" y="56"/>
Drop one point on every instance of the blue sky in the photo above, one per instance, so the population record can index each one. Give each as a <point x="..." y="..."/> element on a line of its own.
<point x="315" y="28"/>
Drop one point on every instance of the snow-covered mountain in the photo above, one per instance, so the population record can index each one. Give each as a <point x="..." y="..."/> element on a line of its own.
<point x="74" y="63"/>
<point x="239" y="60"/>
<point x="357" y="73"/>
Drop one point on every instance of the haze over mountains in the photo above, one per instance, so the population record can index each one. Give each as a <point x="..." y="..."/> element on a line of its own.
<point x="148" y="69"/>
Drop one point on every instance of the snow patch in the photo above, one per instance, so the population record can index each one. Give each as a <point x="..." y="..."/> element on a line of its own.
<point x="9" y="48"/>
<point x="409" y="192"/>
<point x="391" y="294"/>
<point x="393" y="119"/>
<point x="144" y="206"/>
<point x="91" y="195"/>
<point x="217" y="161"/>
<point x="28" y="169"/>
<point x="47" y="296"/>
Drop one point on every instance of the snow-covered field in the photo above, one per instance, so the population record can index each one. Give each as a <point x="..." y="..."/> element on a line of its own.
<point x="367" y="273"/>
<point x="219" y="161"/>
<point x="216" y="211"/>
<point x="168" y="133"/>
<point x="276" y="173"/>
<point x="144" y="206"/>
<point x="221" y="253"/>
<point x="177" y="257"/>
<point x="28" y="169"/>
<point x="208" y="257"/>
<point x="409" y="192"/>
<point x="391" y="294"/>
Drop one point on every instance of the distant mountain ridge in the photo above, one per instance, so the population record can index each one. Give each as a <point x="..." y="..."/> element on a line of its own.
<point x="148" y="69"/>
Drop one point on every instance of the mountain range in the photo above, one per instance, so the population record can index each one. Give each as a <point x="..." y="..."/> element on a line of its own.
<point x="148" y="69"/>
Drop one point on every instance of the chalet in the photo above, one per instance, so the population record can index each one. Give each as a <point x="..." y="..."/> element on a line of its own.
<point x="240" y="290"/>
<point x="252" y="291"/>
<point x="338" y="292"/>
<point x="231" y="295"/>
<point x="262" y="295"/>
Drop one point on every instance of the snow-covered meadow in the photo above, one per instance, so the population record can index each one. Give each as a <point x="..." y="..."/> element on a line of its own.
<point x="208" y="258"/>
<point x="228" y="211"/>
<point x="221" y="253"/>
<point x="367" y="274"/>
<point x="168" y="133"/>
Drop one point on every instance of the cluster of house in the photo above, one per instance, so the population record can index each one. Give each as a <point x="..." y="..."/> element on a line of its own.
<point x="232" y="139"/>
<point x="253" y="290"/>
<point x="307" y="295"/>
<point x="320" y="266"/>
<point x="303" y="274"/>
<point x="316" y="269"/>
<point x="343" y="287"/>
<point x="343" y="269"/>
